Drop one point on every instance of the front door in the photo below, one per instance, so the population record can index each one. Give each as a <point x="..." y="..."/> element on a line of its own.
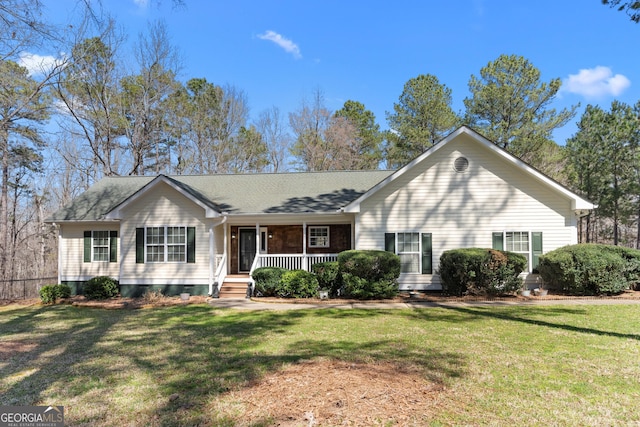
<point x="247" y="249"/>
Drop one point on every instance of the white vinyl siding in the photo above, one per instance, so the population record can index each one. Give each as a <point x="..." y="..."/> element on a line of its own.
<point x="72" y="246"/>
<point x="462" y="210"/>
<point x="163" y="208"/>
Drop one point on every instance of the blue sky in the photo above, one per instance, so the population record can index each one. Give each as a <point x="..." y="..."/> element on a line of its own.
<point x="280" y="51"/>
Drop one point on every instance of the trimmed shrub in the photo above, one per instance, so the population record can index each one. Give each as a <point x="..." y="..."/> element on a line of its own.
<point x="101" y="287"/>
<point x="298" y="284"/>
<point x="478" y="271"/>
<point x="368" y="274"/>
<point x="267" y="280"/>
<point x="328" y="274"/>
<point x="591" y="269"/>
<point x="50" y="293"/>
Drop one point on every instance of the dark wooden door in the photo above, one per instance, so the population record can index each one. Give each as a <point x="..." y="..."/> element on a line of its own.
<point x="247" y="249"/>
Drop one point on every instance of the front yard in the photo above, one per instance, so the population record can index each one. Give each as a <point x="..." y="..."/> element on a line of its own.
<point x="197" y="365"/>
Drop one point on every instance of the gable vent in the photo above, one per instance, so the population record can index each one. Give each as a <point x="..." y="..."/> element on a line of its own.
<point x="460" y="164"/>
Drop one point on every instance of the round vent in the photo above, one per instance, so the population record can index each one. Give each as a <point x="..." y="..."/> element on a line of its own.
<point x="460" y="164"/>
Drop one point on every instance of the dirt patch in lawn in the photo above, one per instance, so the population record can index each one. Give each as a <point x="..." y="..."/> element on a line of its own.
<point x="328" y="392"/>
<point x="117" y="303"/>
<point x="10" y="349"/>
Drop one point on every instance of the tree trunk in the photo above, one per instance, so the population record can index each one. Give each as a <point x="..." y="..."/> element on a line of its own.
<point x="4" y="203"/>
<point x="638" y="228"/>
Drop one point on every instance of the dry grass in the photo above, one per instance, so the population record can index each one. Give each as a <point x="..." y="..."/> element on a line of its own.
<point x="196" y="365"/>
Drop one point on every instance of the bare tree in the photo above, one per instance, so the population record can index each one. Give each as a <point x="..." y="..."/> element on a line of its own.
<point x="308" y="124"/>
<point x="275" y="136"/>
<point x="324" y="141"/>
<point x="145" y="103"/>
<point x="213" y="118"/>
<point x="89" y="91"/>
<point x="22" y="27"/>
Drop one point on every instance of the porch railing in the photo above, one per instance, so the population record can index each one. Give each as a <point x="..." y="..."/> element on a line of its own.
<point x="292" y="261"/>
<point x="221" y="270"/>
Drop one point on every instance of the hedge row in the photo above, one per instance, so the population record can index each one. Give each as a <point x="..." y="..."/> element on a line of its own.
<point x="283" y="283"/>
<point x="357" y="274"/>
<point x="477" y="271"/>
<point x="591" y="269"/>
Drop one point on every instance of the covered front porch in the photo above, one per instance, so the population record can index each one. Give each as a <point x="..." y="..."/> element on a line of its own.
<point x="246" y="247"/>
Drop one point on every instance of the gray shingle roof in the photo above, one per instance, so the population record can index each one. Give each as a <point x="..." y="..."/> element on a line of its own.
<point x="235" y="194"/>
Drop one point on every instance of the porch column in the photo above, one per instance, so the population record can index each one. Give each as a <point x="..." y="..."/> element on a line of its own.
<point x="257" y="243"/>
<point x="354" y="233"/>
<point x="304" y="245"/>
<point x="225" y="243"/>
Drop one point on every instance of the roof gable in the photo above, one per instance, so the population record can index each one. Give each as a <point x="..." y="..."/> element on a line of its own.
<point x="577" y="202"/>
<point x="191" y="194"/>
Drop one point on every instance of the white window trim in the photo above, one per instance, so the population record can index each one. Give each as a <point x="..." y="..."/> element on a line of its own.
<point x="325" y="227"/>
<point x="93" y="245"/>
<point x="419" y="252"/>
<point x="165" y="245"/>
<point x="529" y="252"/>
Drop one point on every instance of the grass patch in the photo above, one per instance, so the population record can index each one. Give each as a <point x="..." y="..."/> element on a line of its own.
<point x="529" y="365"/>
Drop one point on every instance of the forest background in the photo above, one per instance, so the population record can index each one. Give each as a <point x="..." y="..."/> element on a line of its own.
<point x="68" y="120"/>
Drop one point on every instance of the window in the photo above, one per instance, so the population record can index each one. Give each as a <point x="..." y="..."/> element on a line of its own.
<point x="100" y="246"/>
<point x="527" y="243"/>
<point x="165" y="244"/>
<point x="517" y="241"/>
<point x="318" y="237"/>
<point x="155" y="244"/>
<point x="176" y="244"/>
<point x="408" y="249"/>
<point x="414" y="250"/>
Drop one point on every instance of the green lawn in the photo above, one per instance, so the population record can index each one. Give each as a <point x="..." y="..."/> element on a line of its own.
<point x="529" y="365"/>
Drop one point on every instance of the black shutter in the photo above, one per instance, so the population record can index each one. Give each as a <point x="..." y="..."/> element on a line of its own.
<point x="113" y="246"/>
<point x="87" y="246"/>
<point x="536" y="249"/>
<point x="427" y="262"/>
<point x="390" y="242"/>
<point x="139" y="245"/>
<point x="191" y="244"/>
<point x="498" y="241"/>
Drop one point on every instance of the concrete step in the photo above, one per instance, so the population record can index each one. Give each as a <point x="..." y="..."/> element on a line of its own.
<point x="233" y="289"/>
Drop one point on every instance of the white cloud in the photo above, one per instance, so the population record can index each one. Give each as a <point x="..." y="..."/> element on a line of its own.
<point x="37" y="64"/>
<point x="596" y="83"/>
<point x="142" y="4"/>
<point x="288" y="45"/>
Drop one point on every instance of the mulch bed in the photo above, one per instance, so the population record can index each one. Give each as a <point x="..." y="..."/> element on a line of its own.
<point x="438" y="297"/>
<point x="334" y="392"/>
<point x="135" y="303"/>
